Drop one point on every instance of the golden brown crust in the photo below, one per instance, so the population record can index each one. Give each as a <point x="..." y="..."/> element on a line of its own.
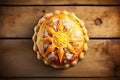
<point x="34" y="38"/>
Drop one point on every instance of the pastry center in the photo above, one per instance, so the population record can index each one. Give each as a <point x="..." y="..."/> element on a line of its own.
<point x="60" y="39"/>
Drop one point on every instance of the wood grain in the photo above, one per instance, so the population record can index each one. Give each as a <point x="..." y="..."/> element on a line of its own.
<point x="59" y="78"/>
<point x="58" y="2"/>
<point x="100" y="21"/>
<point x="17" y="59"/>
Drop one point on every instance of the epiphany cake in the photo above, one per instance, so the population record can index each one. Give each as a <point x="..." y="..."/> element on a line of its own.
<point x="60" y="39"/>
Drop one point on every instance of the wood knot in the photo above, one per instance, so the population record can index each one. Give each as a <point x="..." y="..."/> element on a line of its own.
<point x="98" y="21"/>
<point x="43" y="11"/>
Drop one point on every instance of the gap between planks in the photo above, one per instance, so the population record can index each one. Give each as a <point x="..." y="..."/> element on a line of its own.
<point x="60" y="2"/>
<point x="24" y="5"/>
<point x="59" y="78"/>
<point x="54" y="78"/>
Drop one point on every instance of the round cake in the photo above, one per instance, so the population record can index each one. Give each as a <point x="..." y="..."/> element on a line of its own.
<point x="60" y="39"/>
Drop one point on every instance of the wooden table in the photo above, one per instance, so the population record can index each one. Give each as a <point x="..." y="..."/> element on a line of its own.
<point x="18" y="60"/>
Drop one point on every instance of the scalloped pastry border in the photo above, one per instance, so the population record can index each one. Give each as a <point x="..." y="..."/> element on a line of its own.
<point x="34" y="38"/>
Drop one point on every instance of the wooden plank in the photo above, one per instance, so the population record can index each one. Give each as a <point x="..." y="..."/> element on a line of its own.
<point x="20" y="21"/>
<point x="59" y="78"/>
<point x="58" y="2"/>
<point x="17" y="59"/>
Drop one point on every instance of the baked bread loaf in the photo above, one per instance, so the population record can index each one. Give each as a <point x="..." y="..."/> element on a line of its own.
<point x="60" y="39"/>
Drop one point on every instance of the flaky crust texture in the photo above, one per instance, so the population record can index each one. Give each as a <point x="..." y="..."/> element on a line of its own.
<point x="35" y="47"/>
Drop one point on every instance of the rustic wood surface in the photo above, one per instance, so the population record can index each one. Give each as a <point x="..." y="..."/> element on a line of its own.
<point x="59" y="2"/>
<point x="101" y="60"/>
<point x="60" y="79"/>
<point x="18" y="60"/>
<point x="20" y="21"/>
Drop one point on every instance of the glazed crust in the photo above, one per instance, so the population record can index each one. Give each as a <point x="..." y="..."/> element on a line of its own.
<point x="46" y="61"/>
